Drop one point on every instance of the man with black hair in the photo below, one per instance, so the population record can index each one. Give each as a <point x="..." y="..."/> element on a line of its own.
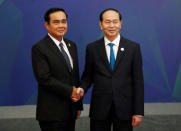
<point x="55" y="66"/>
<point x="114" y="66"/>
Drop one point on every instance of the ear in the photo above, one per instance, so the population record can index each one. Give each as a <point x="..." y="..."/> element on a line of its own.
<point x="121" y="23"/>
<point x="100" y="24"/>
<point x="46" y="25"/>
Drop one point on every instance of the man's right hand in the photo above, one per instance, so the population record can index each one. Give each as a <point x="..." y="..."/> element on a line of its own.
<point x="75" y="96"/>
<point x="80" y="92"/>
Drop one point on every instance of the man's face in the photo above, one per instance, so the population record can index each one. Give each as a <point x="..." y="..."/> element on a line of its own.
<point x="110" y="24"/>
<point x="57" y="26"/>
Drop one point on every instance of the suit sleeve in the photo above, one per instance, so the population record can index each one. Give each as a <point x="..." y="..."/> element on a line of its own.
<point x="86" y="78"/>
<point x="138" y="90"/>
<point x="43" y="75"/>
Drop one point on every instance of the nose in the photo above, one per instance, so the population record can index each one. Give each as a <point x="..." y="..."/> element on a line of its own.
<point x="111" y="24"/>
<point x="60" y="24"/>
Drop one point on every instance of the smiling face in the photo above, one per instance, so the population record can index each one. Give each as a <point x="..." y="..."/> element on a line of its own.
<point x="110" y="24"/>
<point x="57" y="26"/>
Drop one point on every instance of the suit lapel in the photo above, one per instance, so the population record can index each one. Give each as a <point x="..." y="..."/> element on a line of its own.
<point x="121" y="52"/>
<point x="103" y="53"/>
<point x="52" y="46"/>
<point x="71" y="51"/>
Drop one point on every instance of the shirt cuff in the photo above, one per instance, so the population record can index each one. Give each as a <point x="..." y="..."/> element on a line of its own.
<point x="138" y="115"/>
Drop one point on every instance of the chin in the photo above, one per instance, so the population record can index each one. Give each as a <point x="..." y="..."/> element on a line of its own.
<point x="113" y="35"/>
<point x="61" y="34"/>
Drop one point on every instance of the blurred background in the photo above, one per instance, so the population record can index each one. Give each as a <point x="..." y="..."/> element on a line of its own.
<point x="155" y="25"/>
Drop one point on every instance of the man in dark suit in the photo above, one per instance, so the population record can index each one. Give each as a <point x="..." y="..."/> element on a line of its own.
<point x="55" y="66"/>
<point x="114" y="66"/>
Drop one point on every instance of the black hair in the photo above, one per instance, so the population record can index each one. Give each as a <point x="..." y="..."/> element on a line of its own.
<point x="101" y="15"/>
<point x="50" y="11"/>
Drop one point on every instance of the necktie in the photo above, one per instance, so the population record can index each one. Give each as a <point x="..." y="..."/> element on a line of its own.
<point x="112" y="58"/>
<point x="65" y="56"/>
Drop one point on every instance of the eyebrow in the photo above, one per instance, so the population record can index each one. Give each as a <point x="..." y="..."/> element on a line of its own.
<point x="55" y="20"/>
<point x="111" y="20"/>
<point x="60" y="20"/>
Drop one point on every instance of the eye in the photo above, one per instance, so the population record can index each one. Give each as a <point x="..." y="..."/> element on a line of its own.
<point x="115" y="22"/>
<point x="55" y="22"/>
<point x="107" y="22"/>
<point x="64" y="21"/>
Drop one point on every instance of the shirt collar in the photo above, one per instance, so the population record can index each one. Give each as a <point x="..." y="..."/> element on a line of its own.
<point x="115" y="41"/>
<point x="56" y="41"/>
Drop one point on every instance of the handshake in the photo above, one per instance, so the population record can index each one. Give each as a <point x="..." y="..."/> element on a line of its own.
<point x="77" y="94"/>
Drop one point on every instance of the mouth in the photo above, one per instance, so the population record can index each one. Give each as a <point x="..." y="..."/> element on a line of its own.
<point x="60" y="31"/>
<point x="111" y="31"/>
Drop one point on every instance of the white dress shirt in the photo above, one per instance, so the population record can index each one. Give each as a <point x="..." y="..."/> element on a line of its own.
<point x="64" y="46"/>
<point x="115" y="47"/>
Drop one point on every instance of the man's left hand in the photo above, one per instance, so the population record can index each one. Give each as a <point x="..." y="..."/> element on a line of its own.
<point x="136" y="120"/>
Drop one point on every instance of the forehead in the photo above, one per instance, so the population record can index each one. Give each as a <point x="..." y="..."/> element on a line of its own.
<point x="59" y="15"/>
<point x="110" y="15"/>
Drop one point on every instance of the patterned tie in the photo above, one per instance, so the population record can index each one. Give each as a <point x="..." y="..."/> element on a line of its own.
<point x="112" y="58"/>
<point x="65" y="56"/>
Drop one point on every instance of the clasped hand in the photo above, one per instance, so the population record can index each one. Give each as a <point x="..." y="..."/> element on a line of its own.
<point x="77" y="94"/>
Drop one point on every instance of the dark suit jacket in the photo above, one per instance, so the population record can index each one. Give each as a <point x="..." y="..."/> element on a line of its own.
<point x="122" y="86"/>
<point x="55" y="81"/>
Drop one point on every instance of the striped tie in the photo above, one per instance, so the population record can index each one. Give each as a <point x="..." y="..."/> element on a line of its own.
<point x="65" y="56"/>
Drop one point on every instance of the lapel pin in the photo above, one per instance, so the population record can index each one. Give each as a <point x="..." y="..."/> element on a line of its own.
<point x="69" y="45"/>
<point x="122" y="49"/>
